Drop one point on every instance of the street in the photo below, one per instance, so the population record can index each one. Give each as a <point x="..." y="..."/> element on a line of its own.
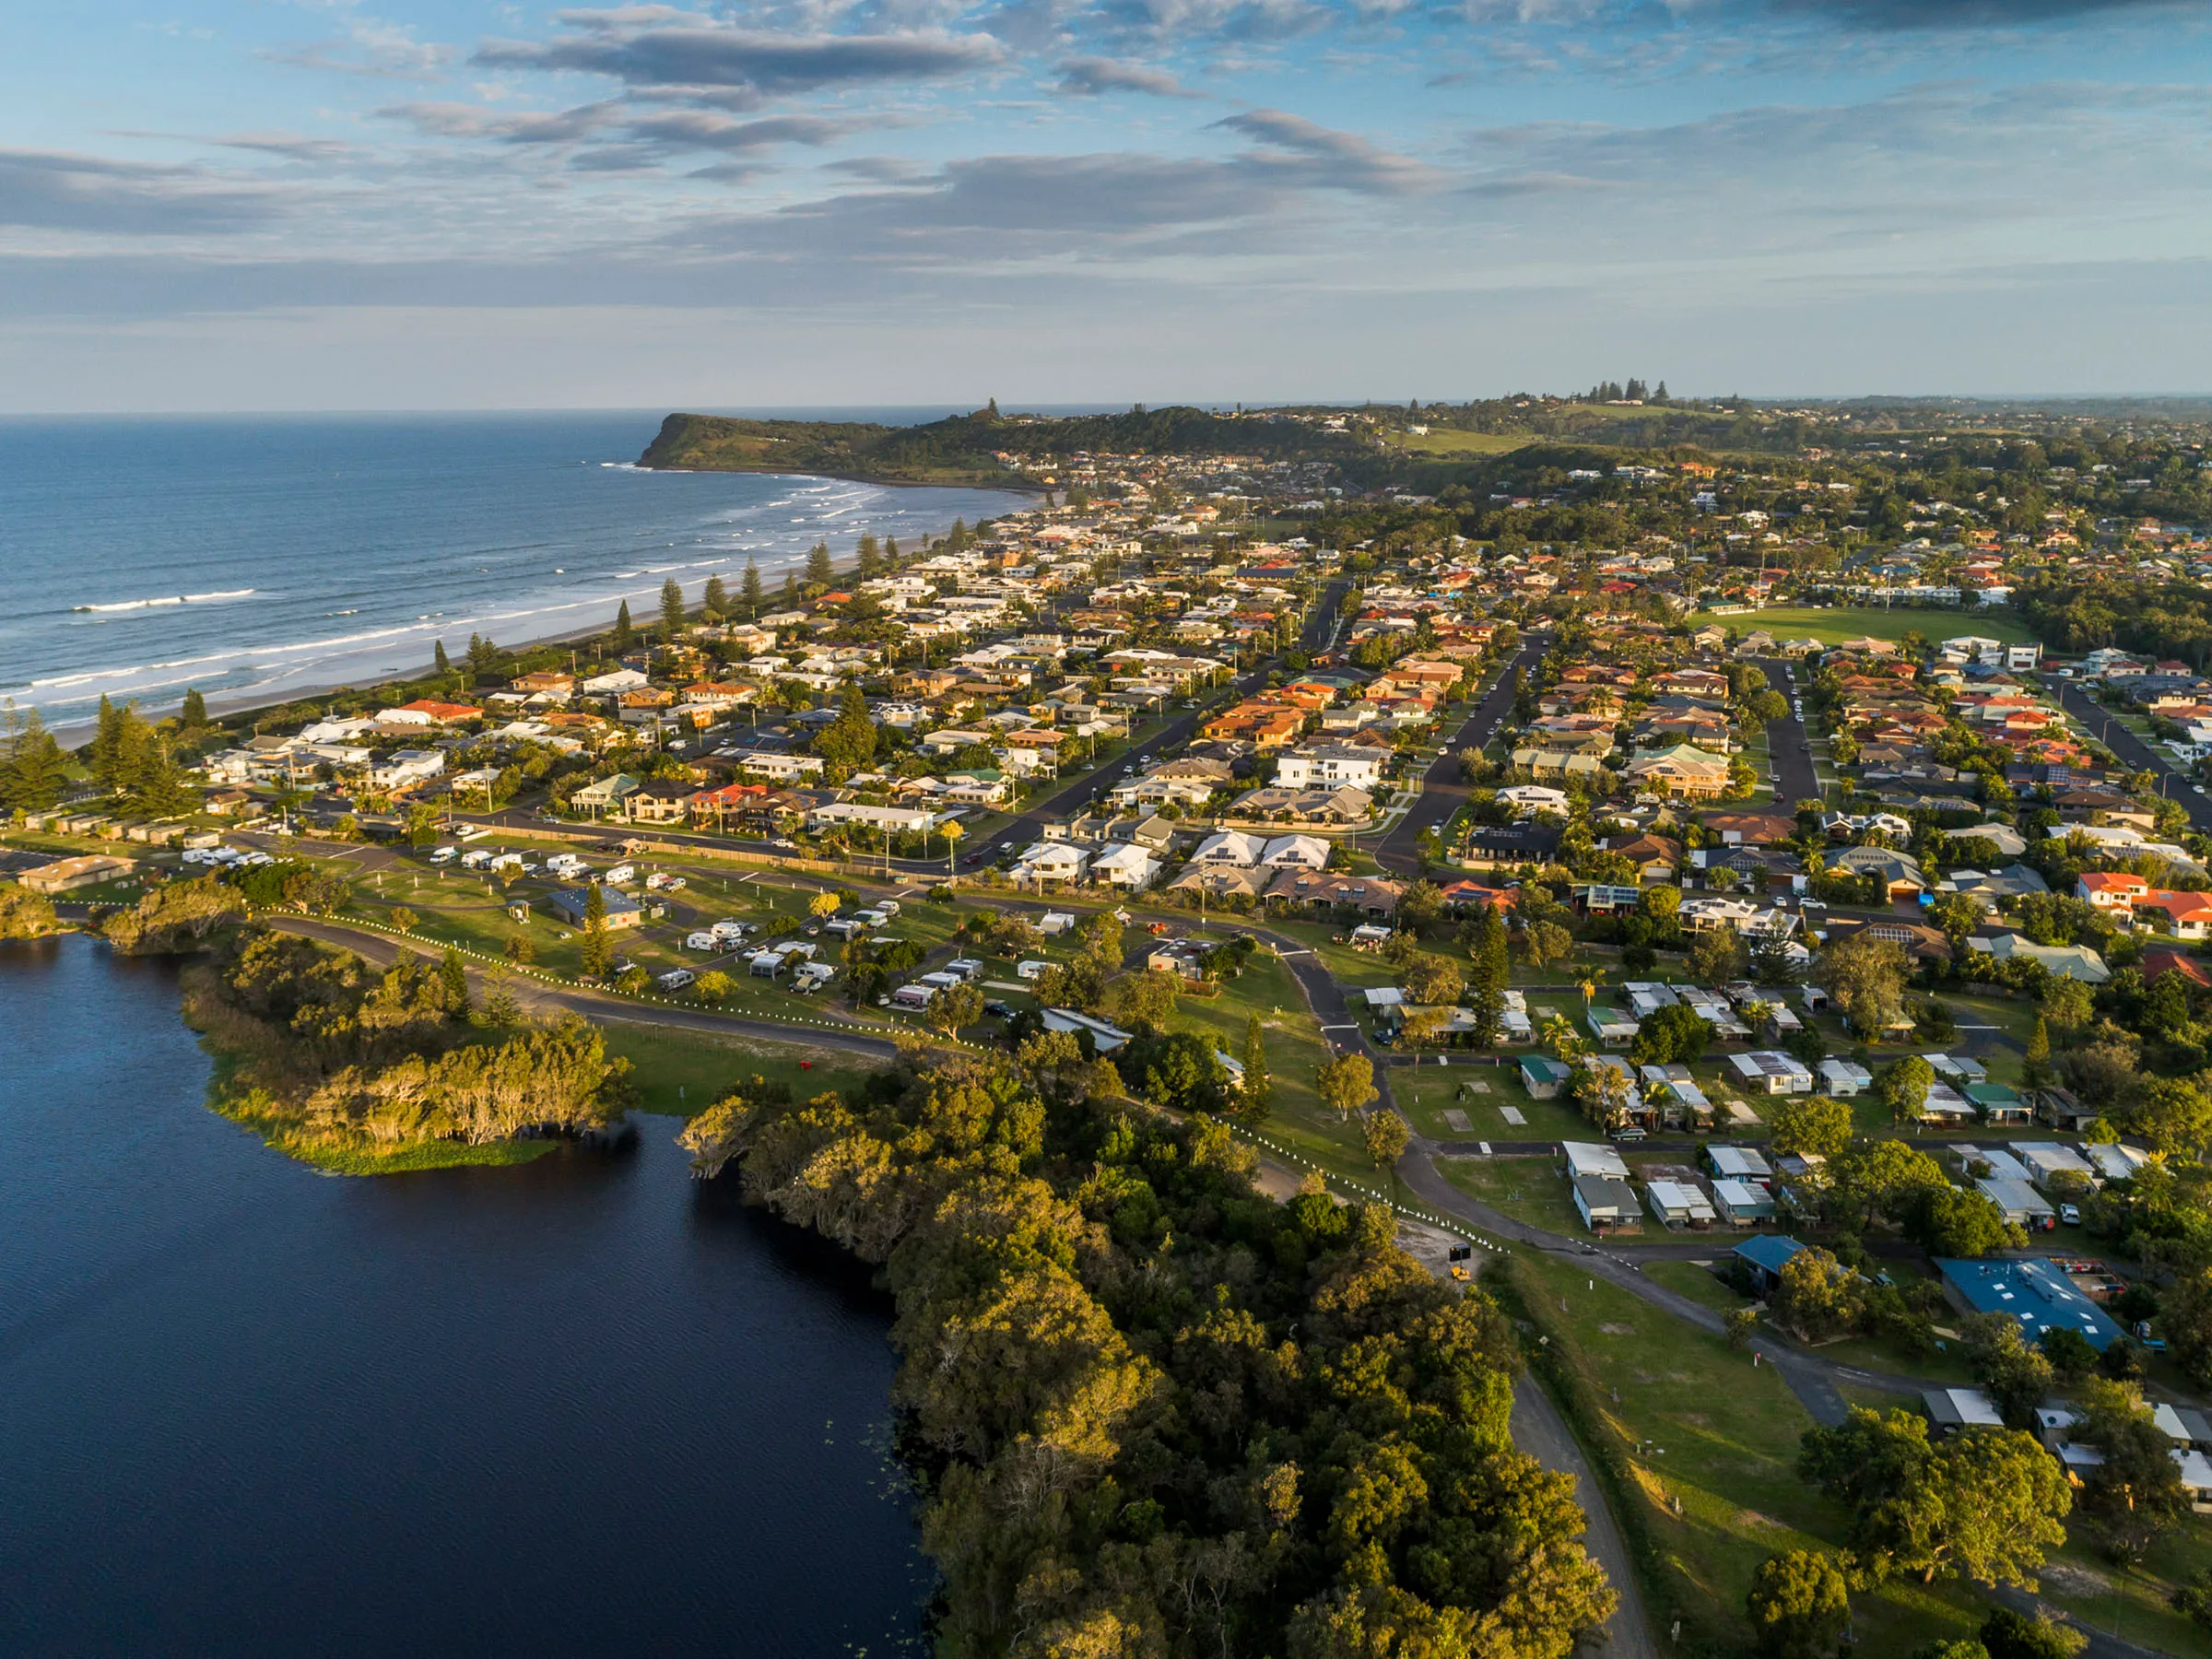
<point x="2104" y="725"/>
<point x="1443" y="791"/>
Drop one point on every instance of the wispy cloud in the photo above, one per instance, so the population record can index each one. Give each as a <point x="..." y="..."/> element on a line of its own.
<point x="766" y="65"/>
<point x="1096" y="77"/>
<point x="50" y="190"/>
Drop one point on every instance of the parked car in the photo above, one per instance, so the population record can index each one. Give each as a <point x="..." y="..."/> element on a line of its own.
<point x="2070" y="1214"/>
<point x="997" y="1010"/>
<point x="785" y="842"/>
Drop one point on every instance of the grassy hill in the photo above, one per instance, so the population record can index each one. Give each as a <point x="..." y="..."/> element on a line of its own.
<point x="966" y="449"/>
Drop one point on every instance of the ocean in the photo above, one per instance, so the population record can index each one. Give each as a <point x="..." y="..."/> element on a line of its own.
<point x="261" y="558"/>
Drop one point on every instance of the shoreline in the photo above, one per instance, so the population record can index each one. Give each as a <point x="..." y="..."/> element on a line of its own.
<point x="79" y="730"/>
<point x="1016" y="486"/>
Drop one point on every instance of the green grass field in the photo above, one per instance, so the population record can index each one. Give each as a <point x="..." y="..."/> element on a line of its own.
<point x="1448" y="440"/>
<point x="681" y="1072"/>
<point x="1834" y="625"/>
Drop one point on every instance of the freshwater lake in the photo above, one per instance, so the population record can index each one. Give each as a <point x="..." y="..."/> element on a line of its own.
<point x="582" y="1406"/>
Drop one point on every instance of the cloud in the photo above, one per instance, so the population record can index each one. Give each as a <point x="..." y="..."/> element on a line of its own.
<point x="699" y="129"/>
<point x="676" y="57"/>
<point x="520" y="126"/>
<point x="370" y="48"/>
<point x="1343" y="160"/>
<point x="1095" y="76"/>
<point x="1933" y="15"/>
<point x="58" y="192"/>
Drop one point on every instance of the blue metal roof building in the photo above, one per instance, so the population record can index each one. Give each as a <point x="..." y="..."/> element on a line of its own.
<point x="1765" y="1255"/>
<point x="2033" y="1292"/>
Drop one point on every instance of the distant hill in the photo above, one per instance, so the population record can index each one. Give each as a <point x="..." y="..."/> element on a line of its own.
<point x="965" y="449"/>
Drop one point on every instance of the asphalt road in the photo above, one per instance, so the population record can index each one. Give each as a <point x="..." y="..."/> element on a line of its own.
<point x="1442" y="791"/>
<point x="2101" y="723"/>
<point x="1539" y="1430"/>
<point x="1788" y="745"/>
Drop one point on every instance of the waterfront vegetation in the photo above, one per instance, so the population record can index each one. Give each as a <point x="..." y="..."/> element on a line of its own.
<point x="353" y="1069"/>
<point x="1152" y="1412"/>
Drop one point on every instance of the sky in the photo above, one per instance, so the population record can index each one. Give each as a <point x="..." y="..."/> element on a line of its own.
<point x="278" y="204"/>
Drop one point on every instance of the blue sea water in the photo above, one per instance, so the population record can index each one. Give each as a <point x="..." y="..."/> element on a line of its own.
<point x="260" y="558"/>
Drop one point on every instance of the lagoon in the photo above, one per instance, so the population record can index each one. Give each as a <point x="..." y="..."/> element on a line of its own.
<point x="583" y="1405"/>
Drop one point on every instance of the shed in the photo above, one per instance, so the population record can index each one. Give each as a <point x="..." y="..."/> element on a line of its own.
<point x="1951" y="1409"/>
<point x="1593" y="1158"/>
<point x="1603" y="1201"/>
<point x="1543" y="1077"/>
<point x="1738" y="1163"/>
<point x="1843" y="1079"/>
<point x="2022" y="1204"/>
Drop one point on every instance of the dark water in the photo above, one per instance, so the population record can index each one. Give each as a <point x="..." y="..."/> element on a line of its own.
<point x="576" y="1407"/>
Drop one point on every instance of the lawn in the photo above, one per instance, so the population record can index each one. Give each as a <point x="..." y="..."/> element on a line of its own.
<point x="1532" y="1190"/>
<point x="681" y="1072"/>
<point x="1686" y="1420"/>
<point x="1834" y="625"/>
<point x="1425" y="1093"/>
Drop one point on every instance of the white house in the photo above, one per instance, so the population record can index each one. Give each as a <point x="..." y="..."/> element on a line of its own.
<point x="1331" y="766"/>
<point x="1233" y="847"/>
<point x="1104" y="1037"/>
<point x="1771" y="1072"/>
<point x="1296" y="852"/>
<point x="1051" y="861"/>
<point x="1126" y="866"/>
<point x="1843" y="1079"/>
<point x="896" y="820"/>
<point x="1527" y="799"/>
<point x="404" y="768"/>
<point x="783" y="768"/>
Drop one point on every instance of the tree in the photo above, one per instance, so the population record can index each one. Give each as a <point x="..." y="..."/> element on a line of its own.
<point x="1986" y="1504"/>
<point x="866" y="564"/>
<point x="1773" y="962"/>
<point x="2036" y="1071"/>
<point x="453" y="974"/>
<point x="1948" y="1221"/>
<point x="2071" y="1354"/>
<point x="599" y="951"/>
<point x="820" y="572"/>
<point x="1486" y="974"/>
<point x="1867" y="977"/>
<point x="715" y="599"/>
<point x="1817" y="1296"/>
<point x="2186" y="1321"/>
<point x="1904" y="1088"/>
<point x="2008" y="1635"/>
<point x="1660" y="905"/>
<point x="1739" y="1325"/>
<point x="1346" y="1084"/>
<point x="2068" y="1003"/>
<point x="2137" y="1492"/>
<point x="1957" y="915"/>
<point x="1672" y="1034"/>
<point x="1878" y="1177"/>
<point x="193" y="711"/>
<point x="2014" y="1373"/>
<point x="1145" y="1002"/>
<point x="438" y="660"/>
<point x="1257" y="1097"/>
<point x="712" y="986"/>
<point x="1601" y="1092"/>
<point x="625" y="635"/>
<point x="850" y="740"/>
<point x="1798" y="1604"/>
<point x="672" y="608"/>
<point x="2175" y="1115"/>
<point x="956" y="1008"/>
<point x="1434" y="978"/>
<point x="1387" y="1135"/>
<point x="1717" y="957"/>
<point x="1545" y="942"/>
<point x="750" y="588"/>
<point x="1809" y="1125"/>
<point x="825" y="903"/>
<point x="32" y="766"/>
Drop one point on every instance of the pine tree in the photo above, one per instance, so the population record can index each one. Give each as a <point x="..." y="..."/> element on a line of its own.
<point x="483" y="655"/>
<point x="716" y="599"/>
<point x="99" y="754"/>
<point x="850" y="741"/>
<point x="598" y="945"/>
<point x="456" y="976"/>
<point x="958" y="538"/>
<point x="438" y="657"/>
<point x="890" y="552"/>
<point x="193" y="711"/>
<point x="865" y="565"/>
<point x="2037" y="1071"/>
<point x="751" y="589"/>
<point x="820" y="572"/>
<point x="1258" y="1100"/>
<point x="31" y="773"/>
<point x="624" y="633"/>
<point x="1487" y="976"/>
<point x="790" y="589"/>
<point x="672" y="609"/>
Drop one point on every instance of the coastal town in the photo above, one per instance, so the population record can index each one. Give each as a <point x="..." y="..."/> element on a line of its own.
<point x="1761" y="900"/>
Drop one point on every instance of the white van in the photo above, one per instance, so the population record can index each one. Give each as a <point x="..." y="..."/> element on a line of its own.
<point x="445" y="855"/>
